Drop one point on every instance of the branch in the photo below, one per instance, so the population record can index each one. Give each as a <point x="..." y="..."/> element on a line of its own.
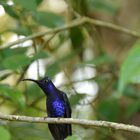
<point x="77" y="22"/>
<point x="113" y="27"/>
<point x="89" y="123"/>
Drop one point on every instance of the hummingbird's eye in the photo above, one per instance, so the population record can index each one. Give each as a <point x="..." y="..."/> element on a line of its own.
<point x="47" y="79"/>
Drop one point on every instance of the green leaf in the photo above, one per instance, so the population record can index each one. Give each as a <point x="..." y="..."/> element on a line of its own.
<point x="22" y="31"/>
<point x="9" y="9"/>
<point x="16" y="62"/>
<point x="6" y="52"/>
<point x="40" y="55"/>
<point x="12" y="94"/>
<point x="130" y="69"/>
<point x="4" y="134"/>
<point x="76" y="36"/>
<point x="48" y="19"/>
<point x="28" y="5"/>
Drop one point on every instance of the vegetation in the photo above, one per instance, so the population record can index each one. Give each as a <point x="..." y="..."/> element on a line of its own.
<point x="91" y="44"/>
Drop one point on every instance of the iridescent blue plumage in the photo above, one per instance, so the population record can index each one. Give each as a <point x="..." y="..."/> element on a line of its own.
<point x="57" y="105"/>
<point x="58" y="108"/>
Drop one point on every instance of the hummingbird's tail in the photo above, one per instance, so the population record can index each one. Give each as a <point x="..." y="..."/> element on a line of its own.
<point x="59" y="131"/>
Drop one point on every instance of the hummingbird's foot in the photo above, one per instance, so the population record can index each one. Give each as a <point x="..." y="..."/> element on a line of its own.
<point x="58" y="118"/>
<point x="46" y="117"/>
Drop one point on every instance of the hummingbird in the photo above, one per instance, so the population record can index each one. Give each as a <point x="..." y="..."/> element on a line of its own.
<point x="57" y="106"/>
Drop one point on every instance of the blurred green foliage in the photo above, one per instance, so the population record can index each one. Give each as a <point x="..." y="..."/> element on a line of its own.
<point x="4" y="133"/>
<point x="118" y="97"/>
<point x="130" y="70"/>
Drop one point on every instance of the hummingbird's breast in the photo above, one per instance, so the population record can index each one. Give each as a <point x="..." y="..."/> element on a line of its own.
<point x="56" y="108"/>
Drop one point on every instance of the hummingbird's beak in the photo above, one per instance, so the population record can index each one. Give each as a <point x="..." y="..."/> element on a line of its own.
<point x="30" y="80"/>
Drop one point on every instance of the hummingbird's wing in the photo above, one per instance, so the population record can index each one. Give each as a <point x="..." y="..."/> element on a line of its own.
<point x="67" y="114"/>
<point x="68" y="108"/>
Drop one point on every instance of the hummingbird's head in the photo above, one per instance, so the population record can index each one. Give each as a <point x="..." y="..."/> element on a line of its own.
<point x="45" y="84"/>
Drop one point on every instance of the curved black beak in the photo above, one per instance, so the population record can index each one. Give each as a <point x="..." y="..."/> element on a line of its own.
<point x="30" y="80"/>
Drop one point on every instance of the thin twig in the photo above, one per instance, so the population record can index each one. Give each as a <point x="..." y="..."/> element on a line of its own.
<point x="22" y="75"/>
<point x="77" y="81"/>
<point x="113" y="27"/>
<point x="67" y="75"/>
<point x="77" y="22"/>
<point x="48" y="40"/>
<point x="89" y="123"/>
<point x="37" y="61"/>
